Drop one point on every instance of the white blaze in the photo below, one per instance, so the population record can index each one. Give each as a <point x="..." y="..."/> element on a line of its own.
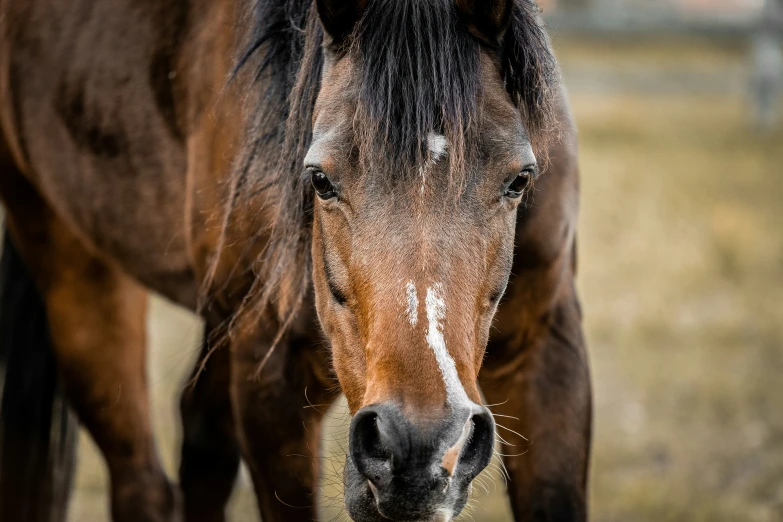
<point x="438" y="145"/>
<point x="445" y="515"/>
<point x="436" y="313"/>
<point x="413" y="303"/>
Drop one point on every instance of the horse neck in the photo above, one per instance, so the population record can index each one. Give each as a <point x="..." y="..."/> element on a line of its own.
<point x="223" y="219"/>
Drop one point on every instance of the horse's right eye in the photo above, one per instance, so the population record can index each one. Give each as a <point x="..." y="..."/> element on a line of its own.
<point x="323" y="187"/>
<point x="519" y="184"/>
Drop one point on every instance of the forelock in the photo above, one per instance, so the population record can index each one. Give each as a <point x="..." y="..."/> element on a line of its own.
<point x="418" y="73"/>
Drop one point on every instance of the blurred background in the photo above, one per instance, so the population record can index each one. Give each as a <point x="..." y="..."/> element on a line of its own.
<point x="679" y="105"/>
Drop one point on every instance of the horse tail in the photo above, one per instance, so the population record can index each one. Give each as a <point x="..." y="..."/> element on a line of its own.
<point x="37" y="430"/>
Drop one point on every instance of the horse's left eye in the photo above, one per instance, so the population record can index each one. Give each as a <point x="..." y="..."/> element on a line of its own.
<point x="323" y="187"/>
<point x="519" y="184"/>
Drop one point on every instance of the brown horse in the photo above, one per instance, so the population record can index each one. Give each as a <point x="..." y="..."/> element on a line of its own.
<point x="291" y="169"/>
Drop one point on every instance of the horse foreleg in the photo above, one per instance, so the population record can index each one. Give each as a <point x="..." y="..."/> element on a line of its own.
<point x="541" y="391"/>
<point x="97" y="320"/>
<point x="210" y="454"/>
<point x="279" y="414"/>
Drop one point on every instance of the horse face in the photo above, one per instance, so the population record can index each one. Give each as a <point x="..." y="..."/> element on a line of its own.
<point x="408" y="269"/>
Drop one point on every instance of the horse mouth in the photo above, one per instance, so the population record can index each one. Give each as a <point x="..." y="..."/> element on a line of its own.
<point x="399" y="471"/>
<point x="363" y="502"/>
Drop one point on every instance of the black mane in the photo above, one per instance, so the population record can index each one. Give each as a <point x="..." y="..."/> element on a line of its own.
<point x="418" y="72"/>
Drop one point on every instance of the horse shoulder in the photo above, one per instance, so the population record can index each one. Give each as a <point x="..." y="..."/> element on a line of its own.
<point x="100" y="98"/>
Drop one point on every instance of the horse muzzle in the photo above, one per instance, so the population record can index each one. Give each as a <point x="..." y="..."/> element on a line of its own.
<point x="396" y="470"/>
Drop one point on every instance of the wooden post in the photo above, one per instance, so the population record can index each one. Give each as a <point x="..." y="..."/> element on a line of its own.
<point x="767" y="81"/>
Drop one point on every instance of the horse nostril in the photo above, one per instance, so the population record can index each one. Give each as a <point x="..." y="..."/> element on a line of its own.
<point x="377" y="442"/>
<point x="478" y="451"/>
<point x="398" y="469"/>
<point x="366" y="447"/>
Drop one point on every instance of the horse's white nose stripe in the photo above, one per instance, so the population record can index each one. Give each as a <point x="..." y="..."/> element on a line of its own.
<point x="445" y="514"/>
<point x="436" y="313"/>
<point x="451" y="455"/>
<point x="413" y="303"/>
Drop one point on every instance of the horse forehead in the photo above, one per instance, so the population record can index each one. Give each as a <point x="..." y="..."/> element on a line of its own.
<point x="337" y="81"/>
<point x="500" y="127"/>
<point x="501" y="138"/>
<point x="339" y="95"/>
<point x="394" y="237"/>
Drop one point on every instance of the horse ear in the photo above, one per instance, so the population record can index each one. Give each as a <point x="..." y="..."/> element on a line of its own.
<point x="487" y="20"/>
<point x="339" y="17"/>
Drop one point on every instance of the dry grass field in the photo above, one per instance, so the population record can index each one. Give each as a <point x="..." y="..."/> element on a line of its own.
<point x="681" y="275"/>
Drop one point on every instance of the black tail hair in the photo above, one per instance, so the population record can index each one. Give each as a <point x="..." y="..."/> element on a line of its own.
<point x="37" y="430"/>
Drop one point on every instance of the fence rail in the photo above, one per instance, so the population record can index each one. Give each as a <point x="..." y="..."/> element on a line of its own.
<point x="762" y="32"/>
<point x="624" y="25"/>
